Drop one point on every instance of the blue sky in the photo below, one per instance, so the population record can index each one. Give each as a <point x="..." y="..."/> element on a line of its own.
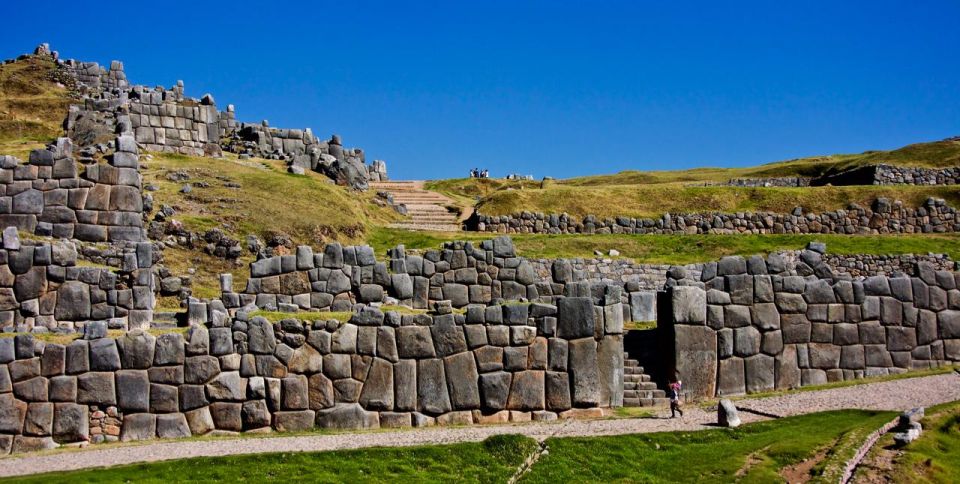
<point x="547" y="87"/>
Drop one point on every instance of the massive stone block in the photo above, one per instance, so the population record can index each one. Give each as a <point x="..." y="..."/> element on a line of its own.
<point x="575" y="318"/>
<point x="695" y="348"/>
<point x="689" y="305"/>
<point x="432" y="387"/>
<point x="461" y="374"/>
<point x="584" y="372"/>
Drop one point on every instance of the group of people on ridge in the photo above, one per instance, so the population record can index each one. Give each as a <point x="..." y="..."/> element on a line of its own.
<point x="477" y="173"/>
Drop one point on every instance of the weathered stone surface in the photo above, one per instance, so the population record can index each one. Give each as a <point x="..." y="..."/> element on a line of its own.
<point x="689" y="304"/>
<point x="415" y="342"/>
<point x="727" y="415"/>
<point x="575" y="318"/>
<point x="432" y="387"/>
<point x="104" y="355"/>
<point x="12" y="414"/>
<point x="200" y="369"/>
<point x="347" y="416"/>
<point x="495" y="389"/>
<point x="260" y="336"/>
<point x="133" y="390"/>
<point x="137" y="349"/>
<point x="71" y="422"/>
<point x="731" y="377"/>
<point x="254" y="414"/>
<point x="377" y="393"/>
<point x="96" y="388"/>
<point x="696" y="355"/>
<point x="759" y="371"/>
<point x="227" y="386"/>
<point x="448" y="338"/>
<point x="527" y="391"/>
<point x="584" y="372"/>
<point x="172" y="426"/>
<point x="462" y="377"/>
<point x="227" y="416"/>
<point x="138" y="426"/>
<point x="200" y="421"/>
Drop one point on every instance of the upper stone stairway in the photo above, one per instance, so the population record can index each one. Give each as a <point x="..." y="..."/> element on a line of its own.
<point x="426" y="210"/>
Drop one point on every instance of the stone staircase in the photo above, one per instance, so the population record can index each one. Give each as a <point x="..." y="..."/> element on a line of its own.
<point x="426" y="210"/>
<point x="639" y="389"/>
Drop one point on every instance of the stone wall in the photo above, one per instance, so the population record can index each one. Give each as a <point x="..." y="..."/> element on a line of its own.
<point x="752" y="325"/>
<point x="883" y="174"/>
<point x="884" y="217"/>
<point x="49" y="195"/>
<point x="42" y="289"/>
<point x="785" y="181"/>
<point x="166" y="120"/>
<point x="494" y="364"/>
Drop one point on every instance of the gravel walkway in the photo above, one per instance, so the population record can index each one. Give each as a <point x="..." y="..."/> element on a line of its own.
<point x="892" y="395"/>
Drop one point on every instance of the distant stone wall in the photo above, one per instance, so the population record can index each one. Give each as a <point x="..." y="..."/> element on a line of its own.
<point x="49" y="195"/>
<point x="167" y="121"/>
<point x="496" y="364"/>
<point x="883" y="174"/>
<point x="43" y="290"/>
<point x="884" y="217"/>
<point x="786" y="181"/>
<point x="753" y="325"/>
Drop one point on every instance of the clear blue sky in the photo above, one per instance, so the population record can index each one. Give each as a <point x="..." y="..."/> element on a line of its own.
<point x="549" y="87"/>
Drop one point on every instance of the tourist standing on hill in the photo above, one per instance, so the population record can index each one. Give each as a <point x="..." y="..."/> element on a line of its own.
<point x="674" y="393"/>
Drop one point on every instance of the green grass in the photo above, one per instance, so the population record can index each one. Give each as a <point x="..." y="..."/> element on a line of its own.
<point x="708" y="456"/>
<point x="493" y="460"/>
<point x="678" y="249"/>
<point x="653" y="200"/>
<point x="275" y="316"/>
<point x="753" y="453"/>
<point x="935" y="456"/>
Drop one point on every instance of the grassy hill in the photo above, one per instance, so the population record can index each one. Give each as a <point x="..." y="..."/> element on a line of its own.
<point x="652" y="193"/>
<point x="257" y="197"/>
<point x="32" y="105"/>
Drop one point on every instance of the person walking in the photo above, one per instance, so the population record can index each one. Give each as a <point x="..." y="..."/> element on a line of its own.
<point x="675" y="399"/>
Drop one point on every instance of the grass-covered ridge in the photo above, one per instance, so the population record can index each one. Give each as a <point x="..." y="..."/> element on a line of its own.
<point x="653" y="200"/>
<point x="32" y="105"/>
<point x="679" y="249"/>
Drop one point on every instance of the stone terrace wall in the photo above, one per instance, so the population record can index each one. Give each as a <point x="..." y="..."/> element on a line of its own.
<point x="752" y="325"/>
<point x="935" y="216"/>
<point x="49" y="196"/>
<point x="163" y="120"/>
<point x="892" y="175"/>
<point x="787" y="181"/>
<point x="42" y="289"/>
<point x="496" y="364"/>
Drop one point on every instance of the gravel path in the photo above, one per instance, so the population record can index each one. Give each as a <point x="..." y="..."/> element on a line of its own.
<point x="892" y="395"/>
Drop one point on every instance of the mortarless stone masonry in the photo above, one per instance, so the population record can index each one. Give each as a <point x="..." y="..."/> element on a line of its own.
<point x="884" y="217"/>
<point x="752" y="325"/>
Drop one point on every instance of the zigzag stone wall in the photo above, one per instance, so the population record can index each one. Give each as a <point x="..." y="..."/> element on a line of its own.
<point x="884" y="217"/>
<point x="48" y="195"/>
<point x="754" y="325"/>
<point x="495" y="364"/>
<point x="43" y="290"/>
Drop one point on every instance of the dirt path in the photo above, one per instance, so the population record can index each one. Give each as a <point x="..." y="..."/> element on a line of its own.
<point x="893" y="395"/>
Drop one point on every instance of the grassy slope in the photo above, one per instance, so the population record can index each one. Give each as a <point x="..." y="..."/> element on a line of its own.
<point x="935" y="456"/>
<point x="653" y="200"/>
<point x="493" y="460"/>
<point x="678" y="249"/>
<point x="308" y="208"/>
<point x="32" y="106"/>
<point x="758" y="451"/>
<point x="752" y="453"/>
<point x="651" y="193"/>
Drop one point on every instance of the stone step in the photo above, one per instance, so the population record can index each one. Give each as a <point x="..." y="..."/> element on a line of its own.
<point x="645" y="402"/>
<point x="644" y="393"/>
<point x="426" y="227"/>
